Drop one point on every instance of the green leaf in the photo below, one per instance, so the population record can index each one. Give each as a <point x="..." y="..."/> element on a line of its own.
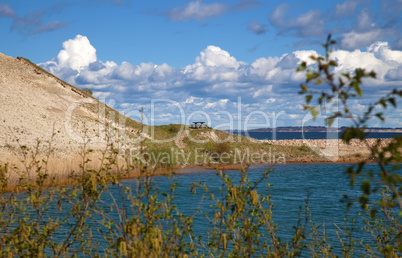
<point x="333" y="63"/>
<point x="308" y="98"/>
<point x="379" y="115"/>
<point x="318" y="81"/>
<point x="365" y="186"/>
<point x="304" y="87"/>
<point x="359" y="91"/>
<point x="346" y="75"/>
<point x="360" y="167"/>
<point x="324" y="67"/>
<point x="392" y="101"/>
<point x="302" y="67"/>
<point x="382" y="103"/>
<point x="309" y="77"/>
<point x="373" y="213"/>
<point x="314" y="113"/>
<point x="363" y="200"/>
<point x="347" y="135"/>
<point x="330" y="120"/>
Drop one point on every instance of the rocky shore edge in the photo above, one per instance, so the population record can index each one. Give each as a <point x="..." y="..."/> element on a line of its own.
<point x="333" y="150"/>
<point x="323" y="143"/>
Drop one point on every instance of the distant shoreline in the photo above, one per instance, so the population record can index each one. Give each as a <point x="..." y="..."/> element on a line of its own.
<point x="317" y="129"/>
<point x="316" y="151"/>
<point x="331" y="151"/>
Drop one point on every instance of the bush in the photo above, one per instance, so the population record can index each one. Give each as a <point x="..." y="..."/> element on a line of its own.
<point x="304" y="148"/>
<point x="223" y="147"/>
<point x="174" y="128"/>
<point x="87" y="91"/>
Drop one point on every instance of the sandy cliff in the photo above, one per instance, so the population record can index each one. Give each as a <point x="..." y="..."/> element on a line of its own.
<point x="35" y="104"/>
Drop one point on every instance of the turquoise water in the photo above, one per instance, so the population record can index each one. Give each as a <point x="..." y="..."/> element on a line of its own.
<point x="291" y="184"/>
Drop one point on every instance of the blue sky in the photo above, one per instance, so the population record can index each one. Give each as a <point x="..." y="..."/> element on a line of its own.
<point x="202" y="57"/>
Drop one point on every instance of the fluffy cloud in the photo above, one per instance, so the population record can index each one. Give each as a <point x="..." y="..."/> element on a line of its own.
<point x="6" y="11"/>
<point x="365" y="32"/>
<point x="215" y="81"/>
<point x="348" y="61"/>
<point x="355" y="40"/>
<point x="348" y="7"/>
<point x="277" y="17"/>
<point x="96" y="73"/>
<point x="263" y="66"/>
<point x="77" y="53"/>
<point x="256" y="28"/>
<point x="245" y="4"/>
<point x="32" y="22"/>
<point x="280" y="70"/>
<point x="263" y="92"/>
<point x="365" y="21"/>
<point x="76" y="56"/>
<point x="216" y="57"/>
<point x="135" y="73"/>
<point x="214" y="64"/>
<point x="394" y="74"/>
<point x="383" y="51"/>
<point x="391" y="11"/>
<point x="197" y="10"/>
<point x="51" y="26"/>
<point x="368" y="25"/>
<point x="309" y="24"/>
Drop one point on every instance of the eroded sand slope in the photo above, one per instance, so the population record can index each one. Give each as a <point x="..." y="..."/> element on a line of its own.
<point x="35" y="104"/>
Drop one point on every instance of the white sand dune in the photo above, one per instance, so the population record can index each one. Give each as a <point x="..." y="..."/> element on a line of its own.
<point x="35" y="104"/>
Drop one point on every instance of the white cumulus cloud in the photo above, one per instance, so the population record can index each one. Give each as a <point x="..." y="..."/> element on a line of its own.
<point x="213" y="63"/>
<point x="216" y="79"/>
<point x="355" y="40"/>
<point x="77" y="53"/>
<point x="378" y="57"/>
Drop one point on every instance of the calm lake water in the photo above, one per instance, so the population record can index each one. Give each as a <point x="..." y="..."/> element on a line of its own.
<point x="290" y="185"/>
<point x="307" y="135"/>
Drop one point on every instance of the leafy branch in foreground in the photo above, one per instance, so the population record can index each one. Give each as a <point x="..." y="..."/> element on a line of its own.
<point x="343" y="88"/>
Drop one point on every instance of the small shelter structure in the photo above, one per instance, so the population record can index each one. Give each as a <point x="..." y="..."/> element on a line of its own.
<point x="197" y="125"/>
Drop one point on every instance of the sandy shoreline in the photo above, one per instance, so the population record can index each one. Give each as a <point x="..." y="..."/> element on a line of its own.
<point x="327" y="152"/>
<point x="331" y="151"/>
